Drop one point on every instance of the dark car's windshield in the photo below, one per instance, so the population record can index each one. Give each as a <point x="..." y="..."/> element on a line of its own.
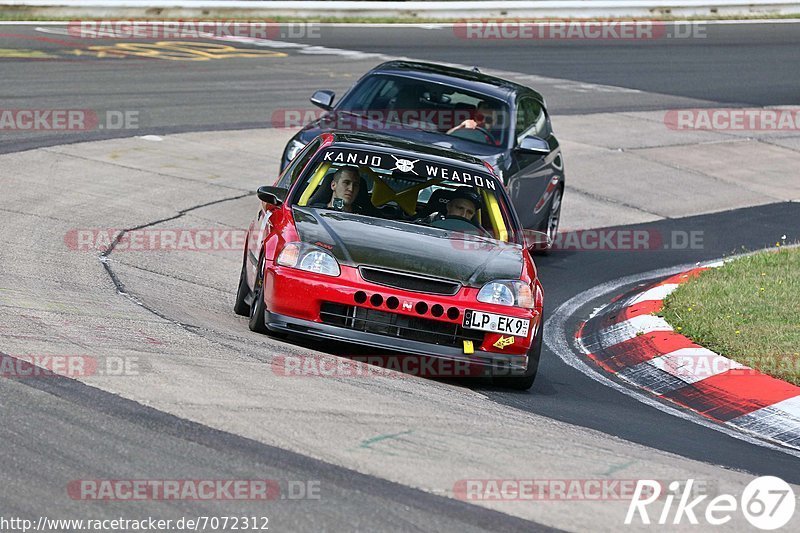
<point x="435" y="107"/>
<point x="408" y="189"/>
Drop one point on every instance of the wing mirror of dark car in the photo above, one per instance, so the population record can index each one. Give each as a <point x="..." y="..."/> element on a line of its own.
<point x="536" y="240"/>
<point x="272" y="195"/>
<point x="534" y="145"/>
<point x="323" y="98"/>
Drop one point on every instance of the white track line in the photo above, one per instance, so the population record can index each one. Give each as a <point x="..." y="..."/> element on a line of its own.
<point x="632" y="328"/>
<point x="658" y="292"/>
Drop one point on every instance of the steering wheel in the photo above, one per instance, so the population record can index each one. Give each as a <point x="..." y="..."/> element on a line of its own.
<point x="457" y="223"/>
<point x="467" y="133"/>
<point x="391" y="211"/>
<point x="488" y="134"/>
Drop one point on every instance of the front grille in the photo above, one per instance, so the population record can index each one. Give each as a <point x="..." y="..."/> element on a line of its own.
<point x="409" y="282"/>
<point x="396" y="325"/>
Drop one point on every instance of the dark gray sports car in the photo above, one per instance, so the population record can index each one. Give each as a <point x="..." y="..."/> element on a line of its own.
<point x="503" y="123"/>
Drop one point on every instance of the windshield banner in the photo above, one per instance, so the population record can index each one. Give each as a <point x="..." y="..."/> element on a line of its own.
<point x="416" y="167"/>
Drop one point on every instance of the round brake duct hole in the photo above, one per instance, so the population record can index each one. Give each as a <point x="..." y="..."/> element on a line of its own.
<point x="376" y="300"/>
<point x="360" y="297"/>
<point x="392" y="302"/>
<point x="453" y="313"/>
<point x="421" y="308"/>
<point x="437" y="310"/>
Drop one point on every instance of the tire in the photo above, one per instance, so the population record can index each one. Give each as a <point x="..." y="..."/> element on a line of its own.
<point x="550" y="225"/>
<point x="257" y="308"/>
<point x="241" y="307"/>
<point x="525" y="381"/>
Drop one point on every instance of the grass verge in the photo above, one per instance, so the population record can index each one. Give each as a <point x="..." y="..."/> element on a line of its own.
<point x="747" y="310"/>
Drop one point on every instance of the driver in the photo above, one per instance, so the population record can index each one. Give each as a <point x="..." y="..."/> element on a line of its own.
<point x="484" y="118"/>
<point x="461" y="207"/>
<point x="464" y="203"/>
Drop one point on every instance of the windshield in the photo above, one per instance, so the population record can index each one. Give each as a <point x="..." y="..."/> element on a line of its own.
<point x="428" y="106"/>
<point x="460" y="200"/>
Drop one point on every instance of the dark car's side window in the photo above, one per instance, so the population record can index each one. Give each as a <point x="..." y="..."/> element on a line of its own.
<point x="374" y="92"/>
<point x="531" y="119"/>
<point x="292" y="172"/>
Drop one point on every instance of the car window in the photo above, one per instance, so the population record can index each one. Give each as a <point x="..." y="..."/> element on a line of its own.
<point x="411" y="190"/>
<point x="531" y="119"/>
<point x="292" y="171"/>
<point x="386" y="100"/>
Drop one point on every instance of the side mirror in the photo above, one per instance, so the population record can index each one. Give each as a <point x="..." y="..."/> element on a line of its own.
<point x="536" y="240"/>
<point x="534" y="145"/>
<point x="323" y="98"/>
<point x="272" y="195"/>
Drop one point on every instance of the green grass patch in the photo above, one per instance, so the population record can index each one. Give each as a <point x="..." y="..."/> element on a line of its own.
<point x="747" y="310"/>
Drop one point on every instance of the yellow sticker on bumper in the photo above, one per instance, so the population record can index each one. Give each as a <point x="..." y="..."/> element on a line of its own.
<point x="502" y="342"/>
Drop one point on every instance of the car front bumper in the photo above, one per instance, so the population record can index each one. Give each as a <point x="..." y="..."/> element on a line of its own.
<point x="295" y="300"/>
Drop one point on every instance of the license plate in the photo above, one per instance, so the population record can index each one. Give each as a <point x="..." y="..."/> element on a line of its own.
<point x="508" y="325"/>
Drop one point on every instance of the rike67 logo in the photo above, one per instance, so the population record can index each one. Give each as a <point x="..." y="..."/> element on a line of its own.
<point x="767" y="503"/>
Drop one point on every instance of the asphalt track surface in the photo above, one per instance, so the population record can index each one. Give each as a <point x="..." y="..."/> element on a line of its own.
<point x="237" y="94"/>
<point x="733" y="65"/>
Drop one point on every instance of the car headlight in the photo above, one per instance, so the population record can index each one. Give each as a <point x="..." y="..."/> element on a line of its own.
<point x="507" y="292"/>
<point x="309" y="258"/>
<point x="294" y="147"/>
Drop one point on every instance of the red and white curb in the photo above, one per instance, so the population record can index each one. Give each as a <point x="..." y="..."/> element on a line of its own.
<point x="625" y="339"/>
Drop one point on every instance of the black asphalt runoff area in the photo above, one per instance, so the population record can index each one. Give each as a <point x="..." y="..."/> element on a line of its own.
<point x="731" y="65"/>
<point x="737" y="64"/>
<point x="563" y="393"/>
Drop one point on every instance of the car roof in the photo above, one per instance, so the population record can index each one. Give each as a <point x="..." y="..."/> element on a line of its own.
<point x="397" y="145"/>
<point x="457" y="77"/>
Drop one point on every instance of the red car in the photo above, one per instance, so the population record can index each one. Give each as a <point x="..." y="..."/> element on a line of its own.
<point x="398" y="246"/>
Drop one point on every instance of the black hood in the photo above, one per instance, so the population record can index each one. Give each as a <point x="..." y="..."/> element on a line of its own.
<point x="357" y="240"/>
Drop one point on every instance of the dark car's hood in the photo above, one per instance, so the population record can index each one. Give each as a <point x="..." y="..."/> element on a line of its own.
<point x="357" y="240"/>
<point x="336" y="120"/>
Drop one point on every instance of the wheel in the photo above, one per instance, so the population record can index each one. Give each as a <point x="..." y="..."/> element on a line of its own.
<point x="525" y="381"/>
<point x="551" y="224"/>
<point x="257" y="307"/>
<point x="241" y="307"/>
<point x="555" y="215"/>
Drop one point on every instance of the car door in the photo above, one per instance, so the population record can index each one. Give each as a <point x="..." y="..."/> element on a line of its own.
<point x="534" y="175"/>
